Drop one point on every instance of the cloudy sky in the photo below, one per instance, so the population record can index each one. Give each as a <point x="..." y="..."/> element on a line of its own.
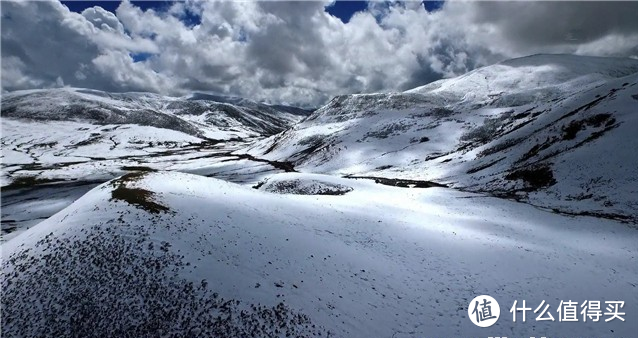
<point x="297" y="52"/>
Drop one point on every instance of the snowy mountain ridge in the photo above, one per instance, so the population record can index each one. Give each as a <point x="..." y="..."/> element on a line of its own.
<point x="532" y="73"/>
<point x="52" y="134"/>
<point x="199" y="115"/>
<point x="544" y="129"/>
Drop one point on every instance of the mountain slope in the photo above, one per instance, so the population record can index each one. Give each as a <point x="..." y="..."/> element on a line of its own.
<point x="56" y="134"/>
<point x="170" y="254"/>
<point x="209" y="116"/>
<point x="556" y="131"/>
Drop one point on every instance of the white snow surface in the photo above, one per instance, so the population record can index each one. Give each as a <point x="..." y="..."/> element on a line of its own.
<point x="75" y="137"/>
<point x="377" y="262"/>
<point x="167" y="251"/>
<point x="538" y="74"/>
<point x="568" y="120"/>
<point x="216" y="117"/>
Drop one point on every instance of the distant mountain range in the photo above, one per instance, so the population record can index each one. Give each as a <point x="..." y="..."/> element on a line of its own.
<point x="83" y="134"/>
<point x="198" y="115"/>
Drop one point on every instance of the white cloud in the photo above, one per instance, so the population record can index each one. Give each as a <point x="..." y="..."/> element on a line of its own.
<point x="292" y="52"/>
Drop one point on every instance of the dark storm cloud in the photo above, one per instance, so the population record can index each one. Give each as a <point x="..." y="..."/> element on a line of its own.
<point x="288" y="46"/>
<point x="423" y="74"/>
<point x="44" y="56"/>
<point x="542" y="23"/>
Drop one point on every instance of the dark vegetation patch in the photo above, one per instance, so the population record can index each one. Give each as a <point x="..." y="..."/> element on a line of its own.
<point x="599" y="119"/>
<point x="90" y="140"/>
<point x="383" y="167"/>
<point x="569" y="132"/>
<point x="8" y="226"/>
<point x="537" y="148"/>
<point x="141" y="198"/>
<point x="259" y="184"/>
<point x="484" y="166"/>
<point x="45" y="145"/>
<point x="579" y="197"/>
<point x="388" y="130"/>
<point x="521" y="115"/>
<point x="28" y="182"/>
<point x="398" y="182"/>
<point x="138" y="168"/>
<point x="109" y="284"/>
<point x="500" y="147"/>
<point x="307" y="187"/>
<point x="312" y="144"/>
<point x="596" y="121"/>
<point x="515" y="195"/>
<point x="599" y="214"/>
<point x="285" y="166"/>
<point x="535" y="177"/>
<point x="587" y="106"/>
<point x="40" y="166"/>
<point x="437" y="112"/>
<point x="597" y="134"/>
<point x="524" y="114"/>
<point x="498" y="127"/>
<point x="419" y="139"/>
<point x="312" y="140"/>
<point x="275" y="143"/>
<point x="434" y="156"/>
<point x="485" y="132"/>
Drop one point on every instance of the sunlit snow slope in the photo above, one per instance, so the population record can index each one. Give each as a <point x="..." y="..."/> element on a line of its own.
<point x="170" y="254"/>
<point x="557" y="131"/>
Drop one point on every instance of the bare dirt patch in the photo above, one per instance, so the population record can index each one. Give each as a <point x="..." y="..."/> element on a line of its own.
<point x="141" y="198"/>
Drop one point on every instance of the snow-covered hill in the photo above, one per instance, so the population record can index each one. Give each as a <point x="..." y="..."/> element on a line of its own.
<point x="210" y="116"/>
<point x="86" y="134"/>
<point x="557" y="131"/>
<point x="169" y="254"/>
<point x="58" y="143"/>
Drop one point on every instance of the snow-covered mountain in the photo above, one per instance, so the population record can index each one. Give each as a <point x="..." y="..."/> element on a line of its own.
<point x="177" y="255"/>
<point x="76" y="138"/>
<point x="211" y="116"/>
<point x="146" y="216"/>
<point x="81" y="130"/>
<point x="557" y="131"/>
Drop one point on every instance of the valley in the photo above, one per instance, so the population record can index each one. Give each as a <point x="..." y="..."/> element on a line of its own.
<point x="375" y="215"/>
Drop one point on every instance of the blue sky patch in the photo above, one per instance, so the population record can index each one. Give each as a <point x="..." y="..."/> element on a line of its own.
<point x="111" y="6"/>
<point x="139" y="57"/>
<point x="432" y="6"/>
<point x="344" y="10"/>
